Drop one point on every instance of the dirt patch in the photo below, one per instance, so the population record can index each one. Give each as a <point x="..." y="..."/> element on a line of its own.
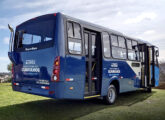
<point x="161" y="85"/>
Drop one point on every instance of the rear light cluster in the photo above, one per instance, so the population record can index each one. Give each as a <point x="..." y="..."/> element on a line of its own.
<point x="56" y="70"/>
<point x="45" y="87"/>
<point x="16" y="84"/>
<point x="12" y="71"/>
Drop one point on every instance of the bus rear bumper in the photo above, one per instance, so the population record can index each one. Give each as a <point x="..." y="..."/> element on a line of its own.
<point x="32" y="90"/>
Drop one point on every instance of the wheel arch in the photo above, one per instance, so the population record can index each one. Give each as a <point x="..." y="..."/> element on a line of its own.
<point x="116" y="84"/>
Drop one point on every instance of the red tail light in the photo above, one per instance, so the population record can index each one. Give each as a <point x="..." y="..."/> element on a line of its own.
<point x="56" y="70"/>
<point x="12" y="70"/>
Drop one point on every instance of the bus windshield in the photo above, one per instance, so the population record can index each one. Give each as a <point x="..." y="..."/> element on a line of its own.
<point x="37" y="34"/>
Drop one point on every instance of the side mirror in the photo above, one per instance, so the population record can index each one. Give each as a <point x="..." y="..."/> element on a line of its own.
<point x="11" y="38"/>
<point x="10" y="28"/>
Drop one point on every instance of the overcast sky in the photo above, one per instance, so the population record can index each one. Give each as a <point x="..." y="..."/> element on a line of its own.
<point x="144" y="19"/>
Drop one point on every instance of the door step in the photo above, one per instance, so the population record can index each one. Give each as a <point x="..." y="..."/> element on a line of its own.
<point x="93" y="96"/>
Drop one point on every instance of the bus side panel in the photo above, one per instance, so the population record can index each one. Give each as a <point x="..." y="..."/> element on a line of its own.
<point x="120" y="71"/>
<point x="74" y="77"/>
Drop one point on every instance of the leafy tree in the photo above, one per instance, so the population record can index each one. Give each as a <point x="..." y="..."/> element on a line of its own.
<point x="9" y="67"/>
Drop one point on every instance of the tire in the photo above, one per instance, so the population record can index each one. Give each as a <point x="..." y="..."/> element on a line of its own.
<point x="149" y="89"/>
<point x="111" y="95"/>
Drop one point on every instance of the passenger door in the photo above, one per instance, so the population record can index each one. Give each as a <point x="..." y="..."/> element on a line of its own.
<point x="154" y="53"/>
<point x="150" y="69"/>
<point x="93" y="62"/>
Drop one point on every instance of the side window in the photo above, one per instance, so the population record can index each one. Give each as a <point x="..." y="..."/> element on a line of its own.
<point x="134" y="45"/>
<point x="129" y="44"/>
<point x="74" y="38"/>
<point x="114" y="40"/>
<point x="118" y="47"/>
<point x="106" y="44"/>
<point x="70" y="29"/>
<point x="133" y="53"/>
<point x="77" y="31"/>
<point x="121" y="42"/>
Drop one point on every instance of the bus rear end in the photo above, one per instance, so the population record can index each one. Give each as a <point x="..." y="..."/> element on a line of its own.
<point x="35" y="57"/>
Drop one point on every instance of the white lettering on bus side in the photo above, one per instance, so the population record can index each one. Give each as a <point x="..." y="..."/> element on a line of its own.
<point x="45" y="82"/>
<point x="32" y="48"/>
<point x="113" y="71"/>
<point x="26" y="69"/>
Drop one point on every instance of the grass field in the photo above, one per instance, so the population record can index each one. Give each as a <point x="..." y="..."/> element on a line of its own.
<point x="129" y="106"/>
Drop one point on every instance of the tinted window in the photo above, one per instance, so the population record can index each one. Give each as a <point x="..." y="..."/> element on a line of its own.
<point x="121" y="41"/>
<point x="47" y="39"/>
<point x="106" y="43"/>
<point x="36" y="39"/>
<point x="114" y="40"/>
<point x="74" y="38"/>
<point x="27" y="39"/>
<point x="34" y="33"/>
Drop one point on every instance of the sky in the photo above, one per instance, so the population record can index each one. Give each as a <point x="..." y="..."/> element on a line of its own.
<point x="144" y="19"/>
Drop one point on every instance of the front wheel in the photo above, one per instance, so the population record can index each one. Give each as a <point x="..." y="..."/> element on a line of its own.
<point x="111" y="95"/>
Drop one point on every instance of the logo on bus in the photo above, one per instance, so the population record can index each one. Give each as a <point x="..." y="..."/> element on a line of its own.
<point x="30" y="62"/>
<point x="114" y="69"/>
<point x="114" y="65"/>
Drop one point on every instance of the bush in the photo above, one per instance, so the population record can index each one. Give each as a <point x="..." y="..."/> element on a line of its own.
<point x="8" y="80"/>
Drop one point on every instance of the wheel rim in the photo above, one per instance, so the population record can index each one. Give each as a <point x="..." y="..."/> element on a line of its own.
<point x="111" y="95"/>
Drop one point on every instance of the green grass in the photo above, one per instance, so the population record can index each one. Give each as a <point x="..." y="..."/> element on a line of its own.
<point x="129" y="106"/>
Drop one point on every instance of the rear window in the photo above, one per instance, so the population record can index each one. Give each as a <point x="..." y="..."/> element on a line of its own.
<point x="37" y="34"/>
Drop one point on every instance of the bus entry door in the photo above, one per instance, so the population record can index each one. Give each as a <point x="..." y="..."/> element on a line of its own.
<point x="147" y="54"/>
<point x="93" y="68"/>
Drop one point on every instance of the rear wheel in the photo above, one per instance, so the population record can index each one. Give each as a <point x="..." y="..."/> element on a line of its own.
<point x="149" y="89"/>
<point x="111" y="95"/>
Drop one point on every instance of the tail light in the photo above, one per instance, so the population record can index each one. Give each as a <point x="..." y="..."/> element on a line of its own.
<point x="45" y="87"/>
<point x="56" y="70"/>
<point x="12" y="70"/>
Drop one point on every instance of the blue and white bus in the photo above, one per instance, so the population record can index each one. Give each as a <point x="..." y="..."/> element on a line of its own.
<point x="62" y="57"/>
